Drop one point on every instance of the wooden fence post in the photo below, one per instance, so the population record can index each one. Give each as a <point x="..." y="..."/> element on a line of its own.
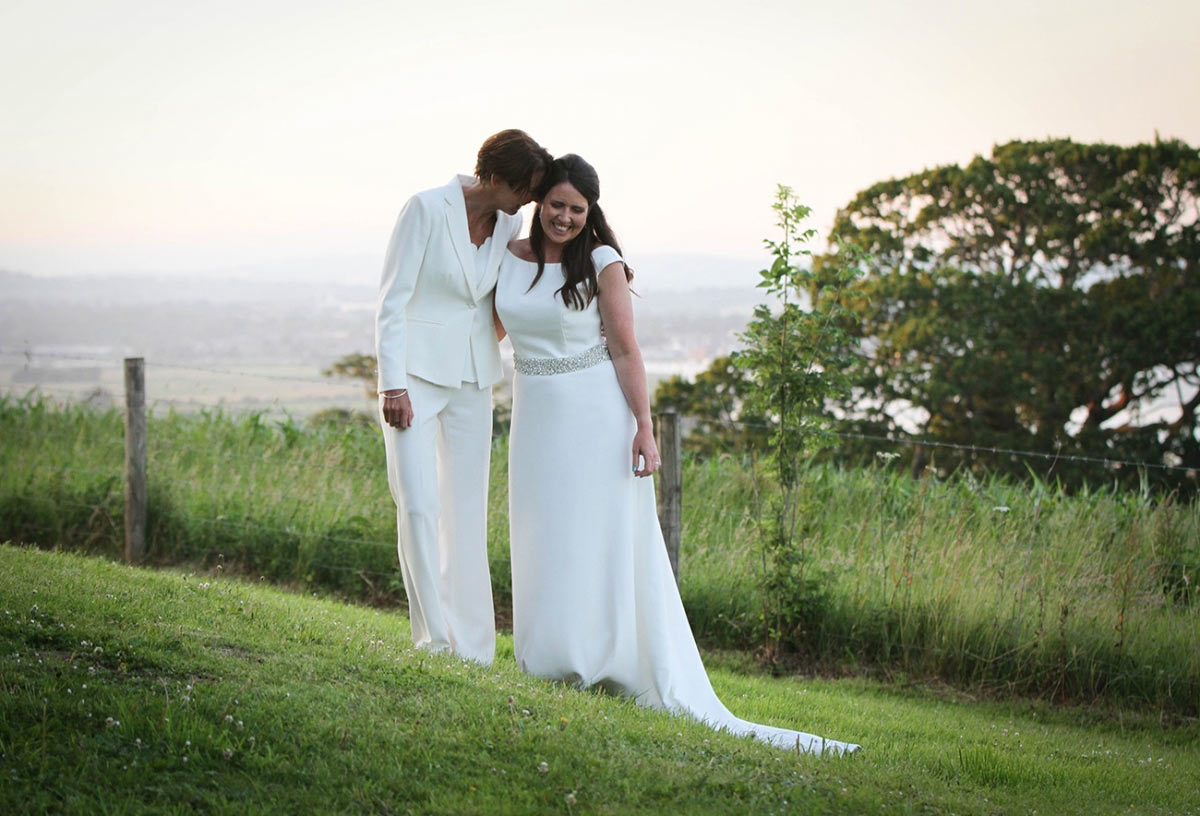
<point x="135" y="459"/>
<point x="670" y="485"/>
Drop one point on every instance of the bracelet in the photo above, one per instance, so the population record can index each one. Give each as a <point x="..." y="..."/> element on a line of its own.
<point x="403" y="391"/>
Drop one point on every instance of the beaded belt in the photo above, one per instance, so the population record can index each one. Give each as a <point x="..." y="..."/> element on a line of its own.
<point x="562" y="365"/>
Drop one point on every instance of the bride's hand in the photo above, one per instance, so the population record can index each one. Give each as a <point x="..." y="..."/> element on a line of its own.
<point x="645" y="449"/>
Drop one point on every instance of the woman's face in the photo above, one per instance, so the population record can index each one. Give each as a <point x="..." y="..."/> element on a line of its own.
<point x="564" y="213"/>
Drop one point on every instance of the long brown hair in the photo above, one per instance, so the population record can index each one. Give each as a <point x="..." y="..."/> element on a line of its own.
<point x="579" y="272"/>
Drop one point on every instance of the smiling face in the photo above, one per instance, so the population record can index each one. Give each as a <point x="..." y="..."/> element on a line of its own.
<point x="563" y="213"/>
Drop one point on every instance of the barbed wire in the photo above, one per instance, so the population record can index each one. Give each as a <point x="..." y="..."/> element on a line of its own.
<point x="72" y="390"/>
<point x="277" y="402"/>
<point x="158" y="460"/>
<point x="152" y="363"/>
<point x="1063" y="457"/>
<point x="280" y="458"/>
<point x="1056" y="456"/>
<point x="29" y="354"/>
<point x="252" y="375"/>
<point x="1041" y="455"/>
<point x="85" y="395"/>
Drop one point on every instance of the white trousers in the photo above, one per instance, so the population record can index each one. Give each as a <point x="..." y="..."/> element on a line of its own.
<point x="438" y="474"/>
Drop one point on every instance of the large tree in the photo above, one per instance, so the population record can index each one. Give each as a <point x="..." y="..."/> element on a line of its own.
<point x="1045" y="298"/>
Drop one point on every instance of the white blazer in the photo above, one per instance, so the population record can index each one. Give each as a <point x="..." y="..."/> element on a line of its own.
<point x="433" y="310"/>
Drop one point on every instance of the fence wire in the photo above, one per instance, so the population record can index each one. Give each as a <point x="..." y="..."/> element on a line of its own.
<point x="929" y="443"/>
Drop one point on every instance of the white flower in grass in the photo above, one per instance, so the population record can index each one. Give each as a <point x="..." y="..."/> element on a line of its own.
<point x="543" y="767"/>
<point x="1001" y="508"/>
<point x="570" y="800"/>
<point x="227" y="753"/>
<point x="887" y="456"/>
<point x="228" y="718"/>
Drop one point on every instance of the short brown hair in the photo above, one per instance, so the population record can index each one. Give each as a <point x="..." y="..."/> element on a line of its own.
<point x="514" y="157"/>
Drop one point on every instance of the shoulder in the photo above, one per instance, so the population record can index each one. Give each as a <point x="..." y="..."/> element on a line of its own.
<point x="420" y="206"/>
<point x="428" y="199"/>
<point x="439" y="196"/>
<point x="520" y="248"/>
<point x="604" y="255"/>
<point x="512" y="223"/>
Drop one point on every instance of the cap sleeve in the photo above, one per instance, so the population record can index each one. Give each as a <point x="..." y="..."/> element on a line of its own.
<point x="603" y="255"/>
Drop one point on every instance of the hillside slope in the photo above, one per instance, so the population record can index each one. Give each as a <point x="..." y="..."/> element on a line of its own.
<point x="128" y="690"/>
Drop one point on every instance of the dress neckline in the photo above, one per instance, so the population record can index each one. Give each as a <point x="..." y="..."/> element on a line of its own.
<point x="531" y="263"/>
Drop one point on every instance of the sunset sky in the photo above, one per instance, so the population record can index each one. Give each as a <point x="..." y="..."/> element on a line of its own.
<point x="271" y="138"/>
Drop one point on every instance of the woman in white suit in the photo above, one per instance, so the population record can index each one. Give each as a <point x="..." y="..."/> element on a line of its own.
<point x="438" y="358"/>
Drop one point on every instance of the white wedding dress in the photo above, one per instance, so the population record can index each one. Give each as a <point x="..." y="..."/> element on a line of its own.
<point x="594" y="598"/>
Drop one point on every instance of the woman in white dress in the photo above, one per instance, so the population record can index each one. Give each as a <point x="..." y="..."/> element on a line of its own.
<point x="594" y="598"/>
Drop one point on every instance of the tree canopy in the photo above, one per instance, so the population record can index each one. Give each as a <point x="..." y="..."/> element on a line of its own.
<point x="1044" y="298"/>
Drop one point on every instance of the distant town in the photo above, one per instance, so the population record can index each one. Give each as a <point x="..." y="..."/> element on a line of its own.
<point x="262" y="344"/>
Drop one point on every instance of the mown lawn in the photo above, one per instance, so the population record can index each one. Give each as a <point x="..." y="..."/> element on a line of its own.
<point x="129" y="690"/>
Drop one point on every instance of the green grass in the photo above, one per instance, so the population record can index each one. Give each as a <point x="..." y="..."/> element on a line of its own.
<point x="991" y="586"/>
<point x="128" y="690"/>
<point x="999" y="589"/>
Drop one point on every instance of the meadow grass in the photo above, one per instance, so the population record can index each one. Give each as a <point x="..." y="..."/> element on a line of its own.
<point x="128" y="690"/>
<point x="991" y="586"/>
<point x="994" y="586"/>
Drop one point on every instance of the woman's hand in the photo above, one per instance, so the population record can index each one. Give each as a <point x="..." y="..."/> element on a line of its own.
<point x="397" y="408"/>
<point x="646" y="450"/>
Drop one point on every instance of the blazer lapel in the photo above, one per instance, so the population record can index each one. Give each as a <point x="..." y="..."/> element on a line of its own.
<point x="460" y="234"/>
<point x="500" y="238"/>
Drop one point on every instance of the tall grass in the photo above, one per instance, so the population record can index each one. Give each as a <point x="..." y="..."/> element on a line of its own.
<point x="993" y="585"/>
<point x="987" y="585"/>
